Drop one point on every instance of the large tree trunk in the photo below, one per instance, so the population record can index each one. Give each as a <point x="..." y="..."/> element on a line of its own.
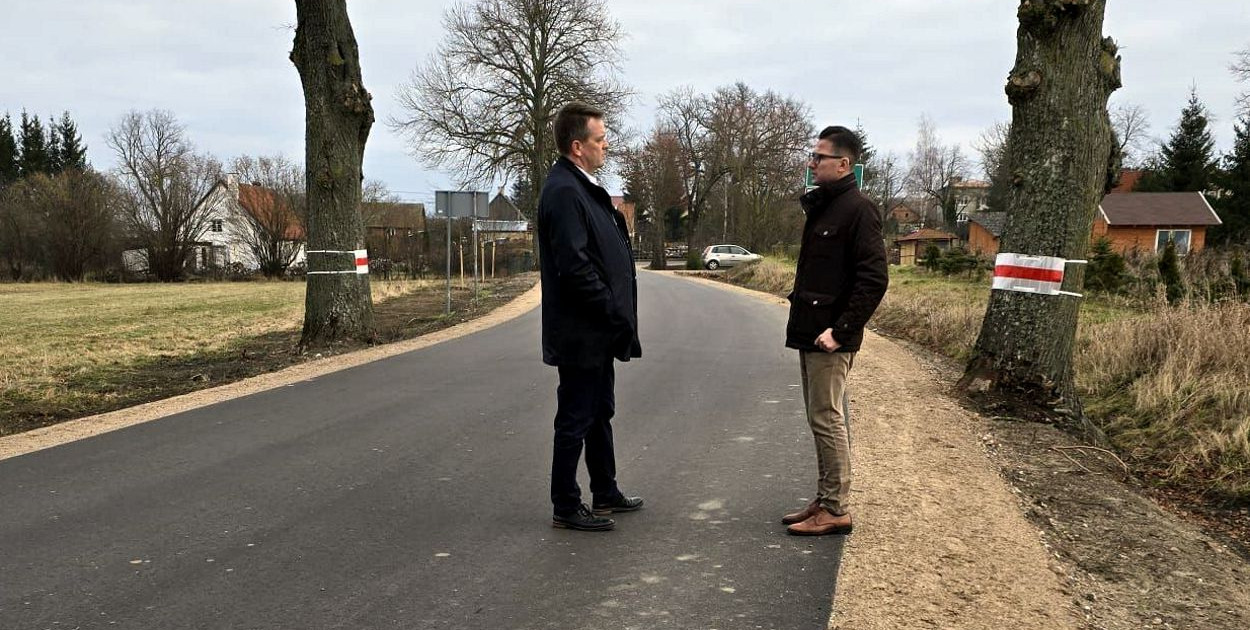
<point x="1061" y="154"/>
<point x="339" y="115"/>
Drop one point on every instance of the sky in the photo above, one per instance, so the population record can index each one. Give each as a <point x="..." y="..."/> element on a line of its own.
<point x="222" y="67"/>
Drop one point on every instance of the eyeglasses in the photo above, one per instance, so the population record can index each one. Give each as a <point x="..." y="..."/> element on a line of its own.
<point x="815" y="158"/>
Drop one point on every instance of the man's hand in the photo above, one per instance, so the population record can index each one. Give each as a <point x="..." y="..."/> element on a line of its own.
<point x="826" y="341"/>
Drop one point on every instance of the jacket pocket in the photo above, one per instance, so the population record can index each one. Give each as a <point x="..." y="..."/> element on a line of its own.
<point x="811" y="313"/>
<point x="825" y="241"/>
<point x="814" y="299"/>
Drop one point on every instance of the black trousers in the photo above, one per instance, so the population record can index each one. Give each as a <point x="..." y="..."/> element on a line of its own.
<point x="585" y="404"/>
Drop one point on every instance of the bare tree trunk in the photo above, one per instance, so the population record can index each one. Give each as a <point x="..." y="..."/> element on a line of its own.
<point x="339" y="115"/>
<point x="1061" y="154"/>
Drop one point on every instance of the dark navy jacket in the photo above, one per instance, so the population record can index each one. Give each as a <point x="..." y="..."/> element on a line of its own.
<point x="842" y="272"/>
<point x="589" y="285"/>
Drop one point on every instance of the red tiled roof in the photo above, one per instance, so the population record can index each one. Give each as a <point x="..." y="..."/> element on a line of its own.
<point x="271" y="211"/>
<point x="1182" y="208"/>
<point x="400" y="216"/>
<point x="928" y="234"/>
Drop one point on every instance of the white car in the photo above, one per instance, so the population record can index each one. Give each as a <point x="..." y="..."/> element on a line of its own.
<point x="717" y="256"/>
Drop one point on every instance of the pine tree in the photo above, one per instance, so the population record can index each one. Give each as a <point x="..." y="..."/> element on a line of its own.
<point x="34" y="150"/>
<point x="52" y="145"/>
<point x="1107" y="269"/>
<point x="523" y="197"/>
<point x="73" y="153"/>
<point x="8" y="152"/>
<point x="1186" y="162"/>
<point x="1234" y="206"/>
<point x="1170" y="273"/>
<point x="867" y="152"/>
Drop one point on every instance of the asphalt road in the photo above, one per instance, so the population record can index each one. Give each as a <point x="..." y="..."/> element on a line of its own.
<point x="412" y="493"/>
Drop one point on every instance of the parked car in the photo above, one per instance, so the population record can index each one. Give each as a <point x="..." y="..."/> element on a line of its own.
<point x="717" y="256"/>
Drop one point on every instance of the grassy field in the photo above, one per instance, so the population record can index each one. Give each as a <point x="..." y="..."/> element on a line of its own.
<point x="69" y="350"/>
<point x="1170" y="385"/>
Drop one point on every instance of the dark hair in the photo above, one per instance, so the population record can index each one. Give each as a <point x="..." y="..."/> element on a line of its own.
<point x="844" y="140"/>
<point x="571" y="124"/>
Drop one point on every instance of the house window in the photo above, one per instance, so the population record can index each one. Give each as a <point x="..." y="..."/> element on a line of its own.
<point x="1180" y="237"/>
<point x="216" y="225"/>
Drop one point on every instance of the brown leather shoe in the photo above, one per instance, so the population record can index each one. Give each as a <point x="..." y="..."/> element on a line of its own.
<point x="803" y="514"/>
<point x="822" y="523"/>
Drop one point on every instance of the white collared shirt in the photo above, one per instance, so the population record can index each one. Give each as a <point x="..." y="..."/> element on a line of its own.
<point x="592" y="178"/>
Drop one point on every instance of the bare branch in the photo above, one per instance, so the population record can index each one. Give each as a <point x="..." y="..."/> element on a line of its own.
<point x="483" y="103"/>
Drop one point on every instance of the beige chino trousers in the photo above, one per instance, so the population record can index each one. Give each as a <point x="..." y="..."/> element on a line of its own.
<point x="824" y="381"/>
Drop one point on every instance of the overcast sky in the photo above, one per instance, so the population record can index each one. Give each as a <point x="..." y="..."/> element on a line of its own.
<point x="222" y="66"/>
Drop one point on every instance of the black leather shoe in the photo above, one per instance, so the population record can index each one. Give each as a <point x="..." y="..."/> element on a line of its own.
<point x="620" y="504"/>
<point x="583" y="520"/>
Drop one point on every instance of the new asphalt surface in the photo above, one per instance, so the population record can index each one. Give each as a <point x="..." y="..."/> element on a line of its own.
<point x="412" y="493"/>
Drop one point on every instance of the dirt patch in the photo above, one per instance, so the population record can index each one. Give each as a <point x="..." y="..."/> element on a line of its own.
<point x="967" y="521"/>
<point x="147" y="392"/>
<point x="1128" y="562"/>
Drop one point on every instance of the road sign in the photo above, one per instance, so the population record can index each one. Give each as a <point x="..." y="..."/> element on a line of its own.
<point x="461" y="203"/>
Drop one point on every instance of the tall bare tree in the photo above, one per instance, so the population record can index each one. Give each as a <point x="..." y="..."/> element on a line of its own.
<point x="272" y="223"/>
<point x="689" y="119"/>
<point x="933" y="166"/>
<point x="887" y="185"/>
<point x="78" y="207"/>
<point x="484" y="101"/>
<point x="163" y="180"/>
<point x="1241" y="71"/>
<point x="1131" y="127"/>
<point x="1060" y="162"/>
<point x="654" y="174"/>
<point x="992" y="145"/>
<point x="338" y="116"/>
<point x="763" y="139"/>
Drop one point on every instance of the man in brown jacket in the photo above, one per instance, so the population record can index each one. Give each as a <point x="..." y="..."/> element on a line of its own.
<point x="840" y="279"/>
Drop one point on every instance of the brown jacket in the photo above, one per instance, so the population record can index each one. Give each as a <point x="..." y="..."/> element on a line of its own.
<point x="842" y="272"/>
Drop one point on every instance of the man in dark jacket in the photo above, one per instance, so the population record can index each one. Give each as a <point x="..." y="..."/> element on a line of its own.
<point x="840" y="279"/>
<point x="590" y="317"/>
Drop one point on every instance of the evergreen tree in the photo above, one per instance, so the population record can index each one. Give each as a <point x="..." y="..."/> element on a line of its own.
<point x="523" y="197"/>
<point x="52" y="146"/>
<point x="8" y="152"/>
<point x="867" y="152"/>
<point x="1186" y="162"/>
<point x="1170" y="273"/>
<point x="73" y="153"/>
<point x="1234" y="205"/>
<point x="1107" y="269"/>
<point x="1240" y="277"/>
<point x="34" y="156"/>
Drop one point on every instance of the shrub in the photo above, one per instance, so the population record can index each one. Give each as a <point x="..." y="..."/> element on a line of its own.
<point x="1107" y="270"/>
<point x="1170" y="273"/>
<point x="932" y="258"/>
<point x="693" y="261"/>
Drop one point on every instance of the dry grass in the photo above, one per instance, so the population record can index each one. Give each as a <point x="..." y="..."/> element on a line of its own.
<point x="68" y="347"/>
<point x="1171" y="385"/>
<point x="1172" y="389"/>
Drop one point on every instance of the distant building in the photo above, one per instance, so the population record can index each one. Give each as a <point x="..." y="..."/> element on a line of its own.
<point x="968" y="195"/>
<point x="501" y="208"/>
<point x="912" y="246"/>
<point x="1133" y="222"/>
<point x="394" y="231"/>
<point x="231" y="212"/>
<point x="984" y="231"/>
<point x="1145" y="222"/>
